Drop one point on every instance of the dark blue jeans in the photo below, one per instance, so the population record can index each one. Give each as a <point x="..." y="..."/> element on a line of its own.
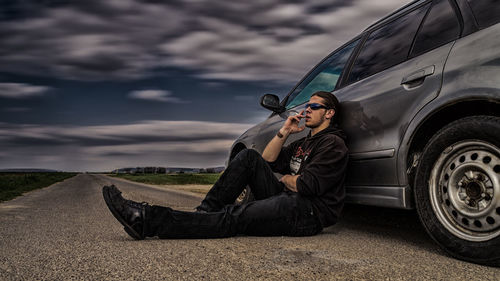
<point x="274" y="212"/>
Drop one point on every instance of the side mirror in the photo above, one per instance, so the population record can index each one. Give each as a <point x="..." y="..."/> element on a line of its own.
<point x="272" y="102"/>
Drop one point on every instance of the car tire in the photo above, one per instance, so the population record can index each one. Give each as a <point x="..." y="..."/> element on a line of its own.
<point x="457" y="191"/>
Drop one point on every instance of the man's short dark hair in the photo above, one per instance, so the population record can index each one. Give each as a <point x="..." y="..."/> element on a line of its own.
<point x="331" y="102"/>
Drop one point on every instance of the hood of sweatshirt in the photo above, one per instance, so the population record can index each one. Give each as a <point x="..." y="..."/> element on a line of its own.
<point x="330" y="130"/>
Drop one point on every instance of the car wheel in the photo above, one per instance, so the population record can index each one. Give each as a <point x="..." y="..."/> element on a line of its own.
<point x="245" y="196"/>
<point x="457" y="189"/>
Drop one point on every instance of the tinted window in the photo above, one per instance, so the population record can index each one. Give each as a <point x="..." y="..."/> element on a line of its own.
<point x="388" y="45"/>
<point x="322" y="78"/>
<point x="486" y="12"/>
<point x="440" y="27"/>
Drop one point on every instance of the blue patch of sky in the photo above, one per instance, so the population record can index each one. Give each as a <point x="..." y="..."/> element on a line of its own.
<point x="108" y="102"/>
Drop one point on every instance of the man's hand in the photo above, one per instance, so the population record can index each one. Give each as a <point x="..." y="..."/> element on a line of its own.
<point x="292" y="123"/>
<point x="291" y="126"/>
<point x="290" y="182"/>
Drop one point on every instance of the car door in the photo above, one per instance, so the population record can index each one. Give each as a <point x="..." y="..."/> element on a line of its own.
<point x="323" y="77"/>
<point x="394" y="75"/>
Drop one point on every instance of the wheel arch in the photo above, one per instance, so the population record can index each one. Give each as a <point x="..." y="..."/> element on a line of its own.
<point x="236" y="149"/>
<point x="433" y="122"/>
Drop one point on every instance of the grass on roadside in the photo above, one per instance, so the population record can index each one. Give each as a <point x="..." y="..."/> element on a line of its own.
<point x="15" y="184"/>
<point x="160" y="179"/>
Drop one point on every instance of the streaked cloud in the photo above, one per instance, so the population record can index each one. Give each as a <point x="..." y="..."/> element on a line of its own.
<point x="21" y="91"/>
<point x="186" y="143"/>
<point x="155" y="95"/>
<point x="16" y="109"/>
<point x="115" y="40"/>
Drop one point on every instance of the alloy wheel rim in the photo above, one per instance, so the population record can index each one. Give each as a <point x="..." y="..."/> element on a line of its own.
<point x="465" y="190"/>
<point x="242" y="196"/>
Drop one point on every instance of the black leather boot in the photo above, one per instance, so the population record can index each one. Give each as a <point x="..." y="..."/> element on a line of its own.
<point x="129" y="213"/>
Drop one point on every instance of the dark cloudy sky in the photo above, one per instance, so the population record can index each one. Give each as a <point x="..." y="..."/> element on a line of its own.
<point x="99" y="85"/>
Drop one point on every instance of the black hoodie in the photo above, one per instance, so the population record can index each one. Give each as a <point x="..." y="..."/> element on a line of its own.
<point x="321" y="162"/>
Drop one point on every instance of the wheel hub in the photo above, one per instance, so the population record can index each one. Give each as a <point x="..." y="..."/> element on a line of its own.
<point x="473" y="189"/>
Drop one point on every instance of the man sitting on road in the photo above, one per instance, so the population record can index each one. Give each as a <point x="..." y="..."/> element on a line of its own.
<point x="307" y="198"/>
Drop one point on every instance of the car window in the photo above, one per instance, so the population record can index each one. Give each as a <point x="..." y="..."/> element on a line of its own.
<point x="323" y="78"/>
<point x="486" y="12"/>
<point x="440" y="26"/>
<point x="387" y="46"/>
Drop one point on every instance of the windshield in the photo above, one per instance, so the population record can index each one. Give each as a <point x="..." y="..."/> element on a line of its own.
<point x="323" y="78"/>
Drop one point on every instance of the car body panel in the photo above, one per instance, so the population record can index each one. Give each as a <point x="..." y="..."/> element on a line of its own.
<point x="466" y="78"/>
<point x="381" y="113"/>
<point x="376" y="111"/>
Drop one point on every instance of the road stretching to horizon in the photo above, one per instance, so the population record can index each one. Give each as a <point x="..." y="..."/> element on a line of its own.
<point x="65" y="232"/>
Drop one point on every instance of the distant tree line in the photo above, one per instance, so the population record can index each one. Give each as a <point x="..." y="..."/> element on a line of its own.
<point x="164" y="170"/>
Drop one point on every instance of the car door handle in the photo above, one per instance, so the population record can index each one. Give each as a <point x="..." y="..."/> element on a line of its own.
<point x="418" y="75"/>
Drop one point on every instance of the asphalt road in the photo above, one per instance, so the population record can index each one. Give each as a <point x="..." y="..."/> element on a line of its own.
<point x="65" y="232"/>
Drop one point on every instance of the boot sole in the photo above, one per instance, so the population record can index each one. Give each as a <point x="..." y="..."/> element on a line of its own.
<point x="130" y="231"/>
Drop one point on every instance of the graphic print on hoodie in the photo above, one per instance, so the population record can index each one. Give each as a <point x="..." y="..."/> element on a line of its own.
<point x="296" y="160"/>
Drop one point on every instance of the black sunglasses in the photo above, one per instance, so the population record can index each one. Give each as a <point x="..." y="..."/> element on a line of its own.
<point x="315" y="106"/>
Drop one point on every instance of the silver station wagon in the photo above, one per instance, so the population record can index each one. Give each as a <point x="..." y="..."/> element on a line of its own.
<point x="420" y="103"/>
